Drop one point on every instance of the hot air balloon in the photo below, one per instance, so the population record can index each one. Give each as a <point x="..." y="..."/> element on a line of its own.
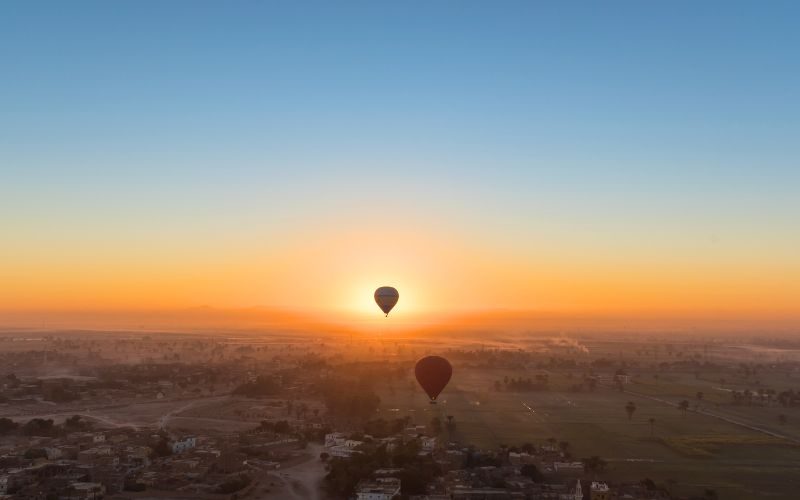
<point x="433" y="373"/>
<point x="386" y="297"/>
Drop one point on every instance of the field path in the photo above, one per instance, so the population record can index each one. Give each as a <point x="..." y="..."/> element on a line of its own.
<point x="735" y="421"/>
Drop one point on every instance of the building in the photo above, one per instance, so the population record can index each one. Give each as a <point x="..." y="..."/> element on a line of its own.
<point x="467" y="493"/>
<point x="335" y="439"/>
<point x="97" y="456"/>
<point x="184" y="444"/>
<point x="428" y="444"/>
<point x="568" y="467"/>
<point x="89" y="491"/>
<point x="599" y="491"/>
<point x="578" y="491"/>
<point x="137" y="457"/>
<point x="342" y="451"/>
<point x="378" y="489"/>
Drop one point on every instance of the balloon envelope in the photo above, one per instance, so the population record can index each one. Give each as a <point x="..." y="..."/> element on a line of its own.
<point x="433" y="373"/>
<point x="386" y="297"/>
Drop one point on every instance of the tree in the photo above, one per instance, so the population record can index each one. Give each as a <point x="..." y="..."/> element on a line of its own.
<point x="235" y="484"/>
<point x="530" y="470"/>
<point x="33" y="453"/>
<point x="161" y="448"/>
<point x="671" y="484"/>
<point x="40" y="427"/>
<point x="352" y="402"/>
<point x="282" y="427"/>
<point x="652" y="422"/>
<point x="594" y="464"/>
<point x="683" y="406"/>
<point x="630" y="408"/>
<point x="7" y="426"/>
<point x="75" y="423"/>
<point x="261" y="386"/>
<point x="436" y="426"/>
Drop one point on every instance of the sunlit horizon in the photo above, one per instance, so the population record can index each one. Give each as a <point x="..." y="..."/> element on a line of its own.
<point x="478" y="159"/>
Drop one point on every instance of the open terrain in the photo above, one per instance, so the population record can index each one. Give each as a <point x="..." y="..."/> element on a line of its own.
<point x="741" y="452"/>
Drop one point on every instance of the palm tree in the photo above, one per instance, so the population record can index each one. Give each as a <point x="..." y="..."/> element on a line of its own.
<point x="652" y="422"/>
<point x="630" y="408"/>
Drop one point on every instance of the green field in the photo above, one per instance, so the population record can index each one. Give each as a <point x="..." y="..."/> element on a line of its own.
<point x="696" y="451"/>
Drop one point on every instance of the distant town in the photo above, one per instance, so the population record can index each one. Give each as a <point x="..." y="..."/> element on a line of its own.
<point x="125" y="416"/>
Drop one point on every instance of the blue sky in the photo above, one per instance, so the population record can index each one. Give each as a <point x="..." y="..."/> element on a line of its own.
<point x="533" y="121"/>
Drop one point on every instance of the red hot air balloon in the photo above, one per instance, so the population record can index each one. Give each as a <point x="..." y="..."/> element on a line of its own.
<point x="386" y="297"/>
<point x="433" y="373"/>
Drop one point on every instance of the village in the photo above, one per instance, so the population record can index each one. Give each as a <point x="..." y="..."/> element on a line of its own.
<point x="74" y="462"/>
<point x="124" y="418"/>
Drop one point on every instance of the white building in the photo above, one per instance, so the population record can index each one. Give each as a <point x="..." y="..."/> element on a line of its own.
<point x="342" y="451"/>
<point x="378" y="489"/>
<point x="599" y="491"/>
<point x="428" y="444"/>
<point x="568" y="467"/>
<point x="335" y="439"/>
<point x="184" y="444"/>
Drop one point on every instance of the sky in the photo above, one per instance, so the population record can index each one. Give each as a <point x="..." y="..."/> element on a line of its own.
<point x="629" y="159"/>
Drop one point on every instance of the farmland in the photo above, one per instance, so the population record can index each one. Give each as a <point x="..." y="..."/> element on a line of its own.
<point x="740" y="451"/>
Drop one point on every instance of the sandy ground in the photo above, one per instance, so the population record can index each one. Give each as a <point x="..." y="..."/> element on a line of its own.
<point x="301" y="481"/>
<point x="154" y="414"/>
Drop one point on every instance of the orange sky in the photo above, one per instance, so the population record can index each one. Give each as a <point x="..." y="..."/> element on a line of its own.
<point x="441" y="273"/>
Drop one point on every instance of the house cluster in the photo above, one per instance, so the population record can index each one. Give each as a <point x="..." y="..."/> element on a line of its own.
<point x="540" y="473"/>
<point x="379" y="488"/>
<point x="91" y="465"/>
